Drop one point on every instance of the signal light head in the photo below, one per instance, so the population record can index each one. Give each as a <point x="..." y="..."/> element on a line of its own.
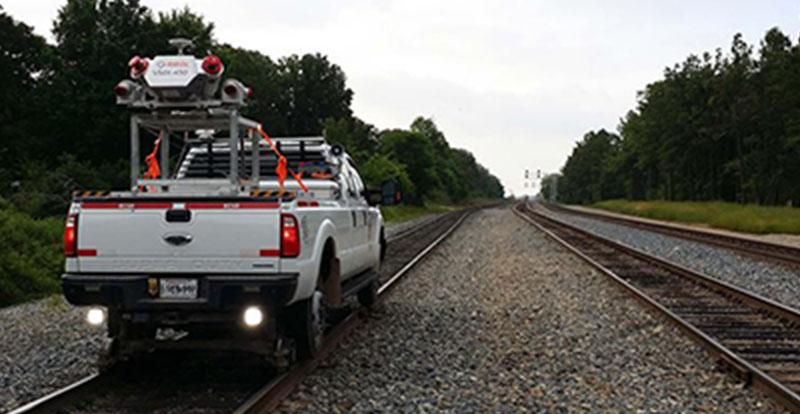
<point x="212" y="65"/>
<point x="138" y="66"/>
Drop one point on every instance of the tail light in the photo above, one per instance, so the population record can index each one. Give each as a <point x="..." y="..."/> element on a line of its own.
<point x="71" y="236"/>
<point x="212" y="65"/>
<point x="290" y="236"/>
<point x="138" y="66"/>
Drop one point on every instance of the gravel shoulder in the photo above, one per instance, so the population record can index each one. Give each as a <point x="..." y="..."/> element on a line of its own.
<point x="777" y="282"/>
<point x="791" y="240"/>
<point x="501" y="319"/>
<point x="44" y="345"/>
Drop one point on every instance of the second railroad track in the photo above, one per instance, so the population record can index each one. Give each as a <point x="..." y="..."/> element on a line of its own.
<point x="757" y="337"/>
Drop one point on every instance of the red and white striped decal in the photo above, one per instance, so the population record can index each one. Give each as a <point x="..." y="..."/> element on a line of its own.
<point x="125" y="206"/>
<point x="269" y="252"/>
<point x="233" y="206"/>
<point x="188" y="206"/>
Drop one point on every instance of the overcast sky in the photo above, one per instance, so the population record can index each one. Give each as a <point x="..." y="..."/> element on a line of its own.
<point x="514" y="82"/>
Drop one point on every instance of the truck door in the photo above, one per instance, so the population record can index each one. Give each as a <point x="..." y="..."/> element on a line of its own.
<point x="361" y="222"/>
<point x="347" y="229"/>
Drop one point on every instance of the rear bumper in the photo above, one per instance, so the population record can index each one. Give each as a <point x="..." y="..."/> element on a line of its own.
<point x="217" y="293"/>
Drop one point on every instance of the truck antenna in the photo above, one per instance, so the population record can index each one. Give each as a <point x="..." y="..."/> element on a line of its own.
<point x="181" y="43"/>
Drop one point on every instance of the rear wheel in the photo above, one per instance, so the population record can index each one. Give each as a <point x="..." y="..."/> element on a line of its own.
<point x="383" y="245"/>
<point x="308" y="318"/>
<point x="308" y="322"/>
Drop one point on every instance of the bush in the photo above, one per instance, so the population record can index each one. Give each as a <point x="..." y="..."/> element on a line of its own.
<point x="30" y="255"/>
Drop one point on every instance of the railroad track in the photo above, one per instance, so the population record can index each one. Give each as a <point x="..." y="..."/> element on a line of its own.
<point x="756" y="248"/>
<point x="756" y="337"/>
<point x="168" y="382"/>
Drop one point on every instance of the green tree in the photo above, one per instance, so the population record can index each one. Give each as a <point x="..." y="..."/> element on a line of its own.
<point x="549" y="189"/>
<point x="416" y="153"/>
<point x="24" y="58"/>
<point x="585" y="175"/>
<point x="311" y="89"/>
<point x="379" y="169"/>
<point x="359" y="138"/>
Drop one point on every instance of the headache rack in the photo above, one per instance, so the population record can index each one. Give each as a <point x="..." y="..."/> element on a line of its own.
<point x="307" y="155"/>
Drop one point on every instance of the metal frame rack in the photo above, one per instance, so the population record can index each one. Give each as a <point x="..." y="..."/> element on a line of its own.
<point x="216" y="119"/>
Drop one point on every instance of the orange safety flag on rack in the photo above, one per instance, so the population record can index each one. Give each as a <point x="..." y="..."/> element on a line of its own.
<point x="153" y="170"/>
<point x="282" y="169"/>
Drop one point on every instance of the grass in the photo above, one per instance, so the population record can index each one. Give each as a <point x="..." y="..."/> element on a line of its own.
<point x="400" y="213"/>
<point x="746" y="218"/>
<point x="397" y="214"/>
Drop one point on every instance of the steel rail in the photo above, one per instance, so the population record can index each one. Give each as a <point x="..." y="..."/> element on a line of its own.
<point x="756" y="248"/>
<point x="748" y="368"/>
<point x="273" y="393"/>
<point x="66" y="395"/>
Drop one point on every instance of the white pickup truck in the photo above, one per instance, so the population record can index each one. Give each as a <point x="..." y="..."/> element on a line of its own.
<point x="222" y="251"/>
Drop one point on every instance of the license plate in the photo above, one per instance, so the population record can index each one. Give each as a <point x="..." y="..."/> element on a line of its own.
<point x="177" y="288"/>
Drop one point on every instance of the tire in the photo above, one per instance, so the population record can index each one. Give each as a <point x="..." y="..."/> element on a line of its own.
<point x="308" y="324"/>
<point x="383" y="246"/>
<point x="308" y="317"/>
<point x="368" y="295"/>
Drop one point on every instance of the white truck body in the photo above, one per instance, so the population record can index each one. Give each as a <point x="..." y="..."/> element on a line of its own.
<point x="126" y="235"/>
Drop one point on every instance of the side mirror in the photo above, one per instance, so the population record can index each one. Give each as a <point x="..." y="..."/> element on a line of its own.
<point x="373" y="196"/>
<point x="388" y="195"/>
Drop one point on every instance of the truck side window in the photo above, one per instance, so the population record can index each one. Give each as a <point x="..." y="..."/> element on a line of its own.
<point x="355" y="180"/>
<point x="344" y="187"/>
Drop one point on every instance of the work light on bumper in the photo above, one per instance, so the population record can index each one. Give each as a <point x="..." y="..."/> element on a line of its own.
<point x="253" y="316"/>
<point x="95" y="316"/>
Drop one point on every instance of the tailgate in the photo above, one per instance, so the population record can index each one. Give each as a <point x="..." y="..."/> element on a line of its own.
<point x="178" y="237"/>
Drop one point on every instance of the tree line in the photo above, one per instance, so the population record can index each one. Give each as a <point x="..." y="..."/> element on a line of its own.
<point x="721" y="126"/>
<point x="60" y="129"/>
